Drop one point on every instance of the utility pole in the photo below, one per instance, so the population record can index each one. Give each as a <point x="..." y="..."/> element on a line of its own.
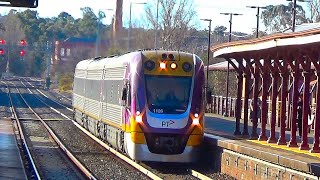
<point x="48" y="50"/>
<point x="156" y="30"/>
<point x="258" y="17"/>
<point x="228" y="69"/>
<point x="207" y="81"/>
<point x="294" y="13"/>
<point x="129" y="30"/>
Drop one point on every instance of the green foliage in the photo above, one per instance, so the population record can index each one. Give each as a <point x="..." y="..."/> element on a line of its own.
<point x="65" y="82"/>
<point x="278" y="18"/>
<point x="217" y="83"/>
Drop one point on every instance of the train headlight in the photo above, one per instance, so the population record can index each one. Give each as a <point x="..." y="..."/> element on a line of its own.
<point x="149" y="65"/>
<point x="138" y="117"/>
<point x="195" y="120"/>
<point x="186" y="67"/>
<point x="162" y="65"/>
<point x="173" y="65"/>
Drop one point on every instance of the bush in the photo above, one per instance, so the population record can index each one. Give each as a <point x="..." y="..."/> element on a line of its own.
<point x="65" y="82"/>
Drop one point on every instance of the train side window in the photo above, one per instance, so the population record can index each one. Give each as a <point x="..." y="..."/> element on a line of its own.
<point x="128" y="96"/>
<point x="124" y="96"/>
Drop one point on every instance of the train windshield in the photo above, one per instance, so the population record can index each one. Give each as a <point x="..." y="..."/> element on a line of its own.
<point x="168" y="94"/>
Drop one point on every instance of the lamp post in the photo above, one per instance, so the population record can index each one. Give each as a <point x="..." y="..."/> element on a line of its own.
<point x="294" y="13"/>
<point x="228" y="69"/>
<point x="98" y="41"/>
<point x="207" y="82"/>
<point x="129" y="35"/>
<point x="156" y="29"/>
<point x="258" y="16"/>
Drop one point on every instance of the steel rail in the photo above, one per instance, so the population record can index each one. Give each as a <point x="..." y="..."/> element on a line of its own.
<point x="43" y="93"/>
<point x="192" y="172"/>
<point x="23" y="139"/>
<point x="83" y="169"/>
<point x="113" y="151"/>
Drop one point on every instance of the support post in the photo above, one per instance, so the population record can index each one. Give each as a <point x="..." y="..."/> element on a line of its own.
<point x="295" y="95"/>
<point x="238" y="105"/>
<point x="284" y="92"/>
<point x="306" y="74"/>
<point x="254" y="134"/>
<point x="247" y="77"/>
<point x="315" y="147"/>
<point x="272" y="138"/>
<point x="264" y="108"/>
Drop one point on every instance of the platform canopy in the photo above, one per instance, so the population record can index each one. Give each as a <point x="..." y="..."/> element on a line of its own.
<point x="286" y="43"/>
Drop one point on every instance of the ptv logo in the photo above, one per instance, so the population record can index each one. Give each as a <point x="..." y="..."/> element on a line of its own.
<point x="167" y="123"/>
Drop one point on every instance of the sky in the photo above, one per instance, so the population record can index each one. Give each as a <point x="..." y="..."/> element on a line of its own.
<point x="206" y="9"/>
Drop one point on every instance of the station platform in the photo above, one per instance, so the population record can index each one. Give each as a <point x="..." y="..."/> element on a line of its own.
<point x="219" y="132"/>
<point x="11" y="165"/>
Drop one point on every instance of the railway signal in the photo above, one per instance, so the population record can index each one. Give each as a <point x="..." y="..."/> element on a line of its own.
<point x="23" y="42"/>
<point x="1" y="52"/>
<point x="2" y="42"/>
<point x="22" y="53"/>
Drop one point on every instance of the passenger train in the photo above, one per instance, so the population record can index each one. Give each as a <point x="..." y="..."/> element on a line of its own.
<point x="148" y="104"/>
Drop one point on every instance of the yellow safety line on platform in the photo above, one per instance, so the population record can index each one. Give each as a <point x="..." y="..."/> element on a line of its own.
<point x="285" y="147"/>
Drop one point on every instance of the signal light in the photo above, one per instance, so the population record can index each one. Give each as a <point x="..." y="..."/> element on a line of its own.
<point x="23" y="42"/>
<point x="2" y="42"/>
<point x="1" y="52"/>
<point x="171" y="56"/>
<point x="164" y="56"/>
<point x="22" y="53"/>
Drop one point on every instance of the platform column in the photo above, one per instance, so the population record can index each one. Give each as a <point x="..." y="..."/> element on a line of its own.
<point x="305" y="109"/>
<point x="295" y="95"/>
<point x="315" y="147"/>
<point x="254" y="134"/>
<point x="247" y="77"/>
<point x="264" y="106"/>
<point x="284" y="93"/>
<point x="296" y="73"/>
<point x="272" y="138"/>
<point x="238" y="105"/>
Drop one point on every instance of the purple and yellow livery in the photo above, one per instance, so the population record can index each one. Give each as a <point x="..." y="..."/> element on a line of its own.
<point x="148" y="104"/>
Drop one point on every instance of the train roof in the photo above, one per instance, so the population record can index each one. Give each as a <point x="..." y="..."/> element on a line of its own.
<point x="116" y="61"/>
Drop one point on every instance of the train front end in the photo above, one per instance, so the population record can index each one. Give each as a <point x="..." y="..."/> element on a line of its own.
<point x="167" y="119"/>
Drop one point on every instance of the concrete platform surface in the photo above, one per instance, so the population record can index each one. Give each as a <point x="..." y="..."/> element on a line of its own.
<point x="11" y="166"/>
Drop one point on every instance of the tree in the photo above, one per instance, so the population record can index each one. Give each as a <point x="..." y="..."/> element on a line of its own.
<point x="88" y="24"/>
<point x="314" y="6"/>
<point x="278" y="18"/>
<point x="219" y="33"/>
<point x="175" y="21"/>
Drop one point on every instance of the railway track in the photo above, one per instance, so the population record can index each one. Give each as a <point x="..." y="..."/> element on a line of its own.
<point x="103" y="164"/>
<point x="41" y="147"/>
<point x="154" y="170"/>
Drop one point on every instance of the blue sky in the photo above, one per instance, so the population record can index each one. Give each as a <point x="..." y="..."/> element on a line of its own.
<point x="209" y="9"/>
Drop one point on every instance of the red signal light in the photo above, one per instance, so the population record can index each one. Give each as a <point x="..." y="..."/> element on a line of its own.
<point x="2" y="42"/>
<point x="1" y="52"/>
<point x="22" y="53"/>
<point x="23" y="42"/>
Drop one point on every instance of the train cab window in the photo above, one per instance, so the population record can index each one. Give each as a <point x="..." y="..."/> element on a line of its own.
<point x="168" y="94"/>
